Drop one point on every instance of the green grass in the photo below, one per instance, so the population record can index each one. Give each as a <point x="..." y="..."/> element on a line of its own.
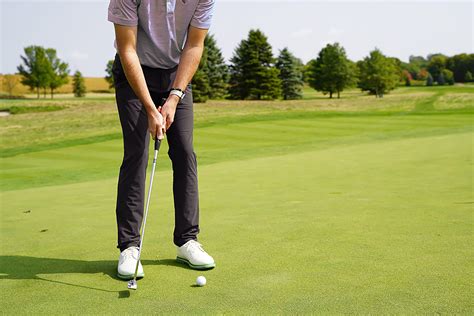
<point x="319" y="206"/>
<point x="31" y="109"/>
<point x="95" y="119"/>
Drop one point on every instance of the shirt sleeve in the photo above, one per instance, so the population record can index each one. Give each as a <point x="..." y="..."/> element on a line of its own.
<point x="123" y="12"/>
<point x="203" y="15"/>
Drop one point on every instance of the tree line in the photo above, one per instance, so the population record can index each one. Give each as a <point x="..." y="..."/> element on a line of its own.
<point x="255" y="74"/>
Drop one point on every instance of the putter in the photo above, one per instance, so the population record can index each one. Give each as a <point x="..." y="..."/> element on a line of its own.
<point x="133" y="283"/>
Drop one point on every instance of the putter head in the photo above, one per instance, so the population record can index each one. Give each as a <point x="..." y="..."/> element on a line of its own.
<point x="132" y="284"/>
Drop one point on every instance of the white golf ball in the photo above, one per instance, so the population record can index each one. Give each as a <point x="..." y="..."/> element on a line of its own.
<point x="201" y="281"/>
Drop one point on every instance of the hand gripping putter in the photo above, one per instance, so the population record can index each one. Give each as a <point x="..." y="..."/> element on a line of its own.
<point x="133" y="283"/>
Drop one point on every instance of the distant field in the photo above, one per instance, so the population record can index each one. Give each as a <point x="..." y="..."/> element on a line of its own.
<point x="92" y="84"/>
<point x="316" y="206"/>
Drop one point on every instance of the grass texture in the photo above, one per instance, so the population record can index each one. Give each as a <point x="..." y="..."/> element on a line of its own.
<point x="314" y="206"/>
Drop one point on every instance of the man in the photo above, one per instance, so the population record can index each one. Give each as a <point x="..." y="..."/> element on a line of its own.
<point x="159" y="45"/>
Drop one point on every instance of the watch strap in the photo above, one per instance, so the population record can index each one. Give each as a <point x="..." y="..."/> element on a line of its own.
<point x="176" y="91"/>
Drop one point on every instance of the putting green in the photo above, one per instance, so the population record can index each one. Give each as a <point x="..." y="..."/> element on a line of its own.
<point x="360" y="225"/>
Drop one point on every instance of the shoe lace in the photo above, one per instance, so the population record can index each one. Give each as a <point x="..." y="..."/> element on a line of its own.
<point x="195" y="246"/>
<point x="130" y="253"/>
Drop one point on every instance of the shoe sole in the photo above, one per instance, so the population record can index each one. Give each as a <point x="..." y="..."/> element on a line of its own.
<point x="130" y="276"/>
<point x="195" y="266"/>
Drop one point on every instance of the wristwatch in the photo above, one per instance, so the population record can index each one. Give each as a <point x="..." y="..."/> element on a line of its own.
<point x="177" y="91"/>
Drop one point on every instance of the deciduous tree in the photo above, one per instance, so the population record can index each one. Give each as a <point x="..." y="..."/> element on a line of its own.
<point x="331" y="72"/>
<point x="35" y="69"/>
<point x="378" y="74"/>
<point x="58" y="71"/>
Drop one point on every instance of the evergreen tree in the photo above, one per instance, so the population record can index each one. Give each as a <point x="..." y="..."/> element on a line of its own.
<point x="109" y="77"/>
<point x="78" y="85"/>
<point x="252" y="71"/>
<point x="290" y="75"/>
<point x="36" y="69"/>
<point x="331" y="72"/>
<point x="58" y="71"/>
<point x="200" y="81"/>
<point x="468" y="76"/>
<point x="216" y="70"/>
<point x="429" y="80"/>
<point x="378" y="74"/>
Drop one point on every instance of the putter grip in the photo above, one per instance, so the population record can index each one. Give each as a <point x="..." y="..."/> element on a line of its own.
<point x="157" y="144"/>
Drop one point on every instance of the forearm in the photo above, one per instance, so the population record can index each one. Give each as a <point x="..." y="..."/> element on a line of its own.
<point x="188" y="65"/>
<point x="136" y="78"/>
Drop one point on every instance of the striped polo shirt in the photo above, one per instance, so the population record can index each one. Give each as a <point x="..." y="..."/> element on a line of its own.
<point x="162" y="26"/>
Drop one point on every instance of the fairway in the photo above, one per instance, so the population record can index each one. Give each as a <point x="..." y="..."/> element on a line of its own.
<point x="312" y="206"/>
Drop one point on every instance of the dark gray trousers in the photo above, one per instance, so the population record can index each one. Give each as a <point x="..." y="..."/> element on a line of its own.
<point x="136" y="138"/>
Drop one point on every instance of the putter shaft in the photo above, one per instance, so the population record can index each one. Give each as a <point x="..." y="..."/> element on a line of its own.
<point x="133" y="283"/>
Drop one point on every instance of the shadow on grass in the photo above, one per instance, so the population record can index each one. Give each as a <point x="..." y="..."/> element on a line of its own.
<point x="30" y="268"/>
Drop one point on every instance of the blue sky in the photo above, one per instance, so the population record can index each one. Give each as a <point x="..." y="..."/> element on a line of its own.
<point x="83" y="37"/>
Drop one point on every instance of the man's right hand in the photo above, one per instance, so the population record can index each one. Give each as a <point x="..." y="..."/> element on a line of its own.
<point x="156" y="124"/>
<point x="126" y="37"/>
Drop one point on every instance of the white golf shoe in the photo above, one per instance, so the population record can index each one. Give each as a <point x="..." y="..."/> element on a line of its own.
<point x="194" y="255"/>
<point x="127" y="264"/>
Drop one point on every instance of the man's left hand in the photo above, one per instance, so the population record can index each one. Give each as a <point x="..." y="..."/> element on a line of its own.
<point x="168" y="110"/>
